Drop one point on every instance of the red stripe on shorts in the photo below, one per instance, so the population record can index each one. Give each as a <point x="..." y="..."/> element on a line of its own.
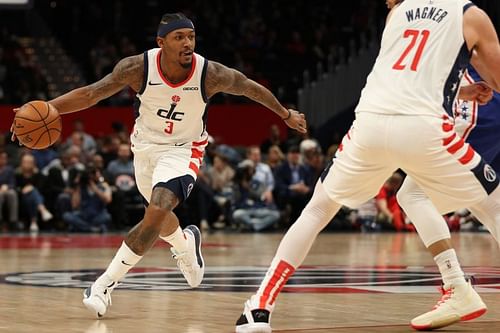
<point x="280" y="277"/>
<point x="455" y="147"/>
<point x="194" y="167"/>
<point x="195" y="153"/>
<point x="448" y="140"/>
<point x="447" y="127"/>
<point x="200" y="143"/>
<point x="467" y="156"/>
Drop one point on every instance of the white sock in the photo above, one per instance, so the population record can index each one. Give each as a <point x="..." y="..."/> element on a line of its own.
<point x="450" y="269"/>
<point x="123" y="261"/>
<point x="177" y="239"/>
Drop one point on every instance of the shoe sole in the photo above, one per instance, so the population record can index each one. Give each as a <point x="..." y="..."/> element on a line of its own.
<point x="446" y="322"/>
<point x="197" y="240"/>
<point x="254" y="328"/>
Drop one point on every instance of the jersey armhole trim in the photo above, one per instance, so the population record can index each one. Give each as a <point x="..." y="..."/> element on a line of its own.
<point x="202" y="83"/>
<point x="145" y="77"/>
<point x="467" y="6"/>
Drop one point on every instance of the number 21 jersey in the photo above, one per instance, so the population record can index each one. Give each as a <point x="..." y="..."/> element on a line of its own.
<point x="423" y="56"/>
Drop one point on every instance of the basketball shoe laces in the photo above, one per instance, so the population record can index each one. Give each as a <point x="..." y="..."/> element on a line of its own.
<point x="446" y="294"/>
<point x="106" y="291"/>
<point x="184" y="261"/>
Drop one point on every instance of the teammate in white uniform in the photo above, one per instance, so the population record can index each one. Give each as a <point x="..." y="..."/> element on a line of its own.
<point x="173" y="85"/>
<point x="403" y="121"/>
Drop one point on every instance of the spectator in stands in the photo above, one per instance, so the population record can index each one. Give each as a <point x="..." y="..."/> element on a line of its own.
<point x="29" y="183"/>
<point x="89" y="145"/>
<point x="294" y="184"/>
<point x="8" y="195"/>
<point x="366" y="216"/>
<point x="275" y="158"/>
<point x="126" y="197"/>
<point x="123" y="165"/>
<point x="249" y="209"/>
<point x="389" y="209"/>
<point x="89" y="196"/>
<point x="58" y="176"/>
<point x="262" y="173"/>
<point x="273" y="139"/>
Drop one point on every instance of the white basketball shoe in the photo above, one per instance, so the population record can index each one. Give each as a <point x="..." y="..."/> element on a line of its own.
<point x="253" y="319"/>
<point x="191" y="262"/>
<point x="457" y="303"/>
<point x="97" y="297"/>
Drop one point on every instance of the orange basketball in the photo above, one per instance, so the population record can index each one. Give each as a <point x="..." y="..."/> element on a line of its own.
<point x="37" y="125"/>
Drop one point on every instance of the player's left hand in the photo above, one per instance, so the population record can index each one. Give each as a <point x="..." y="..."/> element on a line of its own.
<point x="478" y="91"/>
<point x="297" y="121"/>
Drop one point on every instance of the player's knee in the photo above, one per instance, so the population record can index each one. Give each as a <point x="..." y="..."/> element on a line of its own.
<point x="163" y="199"/>
<point x="155" y="214"/>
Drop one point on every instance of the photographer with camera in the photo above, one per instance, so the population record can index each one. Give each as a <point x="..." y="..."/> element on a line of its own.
<point x="89" y="196"/>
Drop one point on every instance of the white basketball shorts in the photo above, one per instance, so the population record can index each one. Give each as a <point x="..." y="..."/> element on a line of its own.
<point x="427" y="148"/>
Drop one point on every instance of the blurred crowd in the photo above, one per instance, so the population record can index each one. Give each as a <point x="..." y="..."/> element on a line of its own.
<point x="271" y="42"/>
<point x="87" y="184"/>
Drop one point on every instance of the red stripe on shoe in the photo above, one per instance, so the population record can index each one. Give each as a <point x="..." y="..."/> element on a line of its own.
<point x="473" y="315"/>
<point x="194" y="167"/>
<point x="468" y="156"/>
<point x="280" y="277"/>
<point x="448" y="140"/>
<point x="455" y="147"/>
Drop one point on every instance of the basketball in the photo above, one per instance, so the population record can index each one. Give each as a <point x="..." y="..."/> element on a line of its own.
<point x="37" y="125"/>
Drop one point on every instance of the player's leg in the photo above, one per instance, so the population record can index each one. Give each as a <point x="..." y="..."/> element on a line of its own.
<point x="350" y="180"/>
<point x="488" y="213"/>
<point x="434" y="232"/>
<point x="452" y="176"/>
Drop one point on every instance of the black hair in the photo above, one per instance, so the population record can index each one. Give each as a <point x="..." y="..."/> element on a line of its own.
<point x="171" y="17"/>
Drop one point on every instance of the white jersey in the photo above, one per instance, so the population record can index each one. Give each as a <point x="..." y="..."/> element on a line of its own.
<point x="422" y="59"/>
<point x="167" y="113"/>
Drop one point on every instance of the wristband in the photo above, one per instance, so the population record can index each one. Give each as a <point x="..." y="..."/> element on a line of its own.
<point x="289" y="115"/>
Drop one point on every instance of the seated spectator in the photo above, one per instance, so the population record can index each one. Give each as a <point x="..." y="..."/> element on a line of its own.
<point x="29" y="183"/>
<point x="366" y="216"/>
<point x="249" y="208"/>
<point x="126" y="196"/>
<point x="89" y="197"/>
<point x="122" y="165"/>
<point x="262" y="174"/>
<point x="8" y="195"/>
<point x="389" y="210"/>
<point x="275" y="158"/>
<point x="274" y="139"/>
<point x="294" y="184"/>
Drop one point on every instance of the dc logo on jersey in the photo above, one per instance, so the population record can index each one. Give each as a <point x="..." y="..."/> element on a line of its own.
<point x="489" y="174"/>
<point x="171" y="114"/>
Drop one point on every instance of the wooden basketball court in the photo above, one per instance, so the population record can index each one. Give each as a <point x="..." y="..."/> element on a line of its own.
<point x="349" y="283"/>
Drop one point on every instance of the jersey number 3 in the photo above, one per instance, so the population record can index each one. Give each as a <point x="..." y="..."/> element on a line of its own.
<point x="399" y="66"/>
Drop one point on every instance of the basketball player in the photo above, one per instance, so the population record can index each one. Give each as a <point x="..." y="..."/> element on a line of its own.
<point x="403" y="120"/>
<point x="173" y="86"/>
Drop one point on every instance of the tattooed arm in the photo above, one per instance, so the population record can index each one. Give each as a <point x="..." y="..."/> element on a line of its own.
<point x="128" y="72"/>
<point x="227" y="80"/>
